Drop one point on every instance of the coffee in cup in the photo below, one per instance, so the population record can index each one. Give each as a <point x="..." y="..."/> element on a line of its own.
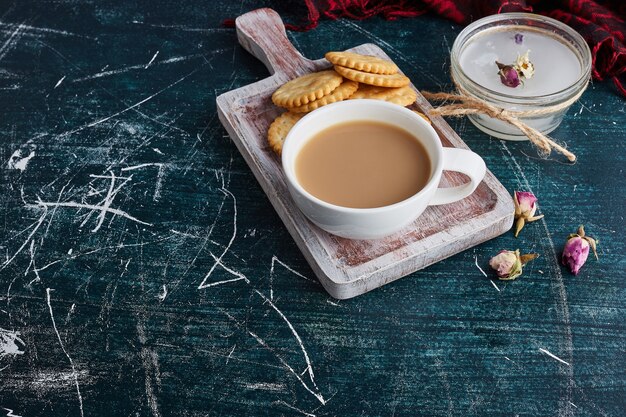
<point x="363" y="164"/>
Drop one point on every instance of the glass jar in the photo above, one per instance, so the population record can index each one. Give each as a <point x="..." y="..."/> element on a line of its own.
<point x="488" y="36"/>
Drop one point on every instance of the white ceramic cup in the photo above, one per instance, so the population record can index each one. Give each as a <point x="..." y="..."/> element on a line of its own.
<point x="373" y="223"/>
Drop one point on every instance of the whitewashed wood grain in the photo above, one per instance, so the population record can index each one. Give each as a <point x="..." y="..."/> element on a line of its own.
<point x="347" y="268"/>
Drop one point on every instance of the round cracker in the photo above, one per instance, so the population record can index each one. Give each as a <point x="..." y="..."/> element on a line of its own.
<point x="344" y="91"/>
<point x="402" y="96"/>
<point x="380" y="80"/>
<point x="367" y="63"/>
<point x="423" y="116"/>
<point x="306" y="88"/>
<point x="279" y="129"/>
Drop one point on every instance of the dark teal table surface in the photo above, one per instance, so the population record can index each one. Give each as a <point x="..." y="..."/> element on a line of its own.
<point x="128" y="219"/>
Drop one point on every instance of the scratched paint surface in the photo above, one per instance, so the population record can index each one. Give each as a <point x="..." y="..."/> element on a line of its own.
<point x="143" y="271"/>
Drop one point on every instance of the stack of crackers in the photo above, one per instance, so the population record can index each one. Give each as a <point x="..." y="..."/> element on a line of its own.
<point x="353" y="76"/>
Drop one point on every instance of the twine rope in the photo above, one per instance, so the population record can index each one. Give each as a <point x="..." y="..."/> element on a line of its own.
<point x="465" y="104"/>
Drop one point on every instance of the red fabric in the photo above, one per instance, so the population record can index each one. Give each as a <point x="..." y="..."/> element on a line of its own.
<point x="600" y="22"/>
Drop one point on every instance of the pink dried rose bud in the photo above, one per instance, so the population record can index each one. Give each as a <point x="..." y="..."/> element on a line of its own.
<point x="576" y="250"/>
<point x="513" y="75"/>
<point x="508" y="264"/>
<point x="525" y="208"/>
<point x="508" y="75"/>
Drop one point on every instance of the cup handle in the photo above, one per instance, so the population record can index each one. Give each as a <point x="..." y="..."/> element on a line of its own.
<point x="465" y="162"/>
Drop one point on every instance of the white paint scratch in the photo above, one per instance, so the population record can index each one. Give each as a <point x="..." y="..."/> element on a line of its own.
<point x="54" y="210"/>
<point x="151" y="365"/>
<point x="230" y="354"/>
<point x="159" y="184"/>
<point x="159" y="180"/>
<point x="149" y="164"/>
<point x="265" y="386"/>
<point x="100" y="208"/>
<point x="214" y="284"/>
<point x="484" y="273"/>
<point x="44" y="381"/>
<point x="478" y="266"/>
<point x="163" y="293"/>
<point x="10" y="412"/>
<point x="32" y="263"/>
<point x="139" y="103"/>
<point x="28" y="28"/>
<point x="288" y="268"/>
<point x="107" y="201"/>
<point x="183" y="28"/>
<point x="9" y="343"/>
<point x="218" y="260"/>
<point x="70" y="312"/>
<point x="12" y="41"/>
<point x="48" y="265"/>
<point x="21" y="248"/>
<point x="75" y="374"/>
<point x="295" y="334"/>
<point x="18" y="161"/>
<point x="152" y="60"/>
<point x="553" y="356"/>
<point x="125" y="266"/>
<point x="59" y="82"/>
<point x="103" y="73"/>
<point x="260" y="341"/>
<point x="295" y="408"/>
